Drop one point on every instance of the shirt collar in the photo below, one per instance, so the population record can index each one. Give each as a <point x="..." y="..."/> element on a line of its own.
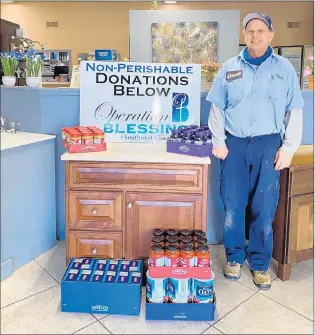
<point x="241" y="55"/>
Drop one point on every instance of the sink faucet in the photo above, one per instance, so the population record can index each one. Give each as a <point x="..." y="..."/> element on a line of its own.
<point x="3" y="121"/>
<point x="12" y="126"/>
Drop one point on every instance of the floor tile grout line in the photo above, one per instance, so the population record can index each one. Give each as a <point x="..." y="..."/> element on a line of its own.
<point x="218" y="330"/>
<point x="255" y="292"/>
<point x="32" y="295"/>
<point x="99" y="321"/>
<point x="47" y="271"/>
<point x="90" y="324"/>
<point x="279" y="303"/>
<point x="206" y="329"/>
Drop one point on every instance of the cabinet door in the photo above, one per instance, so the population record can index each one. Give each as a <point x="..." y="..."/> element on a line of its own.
<point x="301" y="236"/>
<point x="98" y="244"/>
<point x="147" y="211"/>
<point x="95" y="210"/>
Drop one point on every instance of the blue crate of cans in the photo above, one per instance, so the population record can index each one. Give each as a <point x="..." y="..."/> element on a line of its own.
<point x="185" y="299"/>
<point x="96" y="286"/>
<point x="191" y="140"/>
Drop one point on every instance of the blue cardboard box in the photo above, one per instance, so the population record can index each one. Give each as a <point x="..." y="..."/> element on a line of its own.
<point x="184" y="312"/>
<point x="88" y="296"/>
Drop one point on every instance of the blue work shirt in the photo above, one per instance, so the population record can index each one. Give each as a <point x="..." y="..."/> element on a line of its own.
<point x="255" y="99"/>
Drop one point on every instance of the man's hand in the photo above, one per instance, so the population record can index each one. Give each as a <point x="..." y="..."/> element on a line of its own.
<point x="220" y="153"/>
<point x="282" y="160"/>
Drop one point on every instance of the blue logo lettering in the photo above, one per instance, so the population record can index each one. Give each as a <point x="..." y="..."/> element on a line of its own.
<point x="180" y="112"/>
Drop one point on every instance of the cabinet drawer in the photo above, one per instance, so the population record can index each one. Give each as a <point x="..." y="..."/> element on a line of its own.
<point x="95" y="244"/>
<point x="130" y="176"/>
<point x="302" y="182"/>
<point x="95" y="210"/>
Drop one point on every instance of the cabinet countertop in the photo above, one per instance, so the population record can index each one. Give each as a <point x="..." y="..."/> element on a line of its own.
<point x="135" y="152"/>
<point x="303" y="156"/>
<point x="18" y="139"/>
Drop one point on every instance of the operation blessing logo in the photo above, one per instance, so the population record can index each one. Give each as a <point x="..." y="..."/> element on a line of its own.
<point x="180" y="112"/>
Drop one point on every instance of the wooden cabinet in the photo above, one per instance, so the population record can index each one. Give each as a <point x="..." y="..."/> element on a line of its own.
<point x="294" y="220"/>
<point x="112" y="208"/>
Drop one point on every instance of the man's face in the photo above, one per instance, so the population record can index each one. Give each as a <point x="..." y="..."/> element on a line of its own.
<point x="257" y="35"/>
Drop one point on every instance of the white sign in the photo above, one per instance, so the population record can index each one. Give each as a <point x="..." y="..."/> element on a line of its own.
<point x="135" y="102"/>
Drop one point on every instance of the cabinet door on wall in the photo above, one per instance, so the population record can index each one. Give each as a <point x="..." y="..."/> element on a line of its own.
<point x="147" y="211"/>
<point x="301" y="236"/>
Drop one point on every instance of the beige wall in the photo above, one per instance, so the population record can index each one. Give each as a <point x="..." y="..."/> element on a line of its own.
<point x="84" y="27"/>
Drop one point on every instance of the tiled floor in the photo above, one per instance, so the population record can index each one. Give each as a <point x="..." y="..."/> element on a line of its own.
<point x="30" y="304"/>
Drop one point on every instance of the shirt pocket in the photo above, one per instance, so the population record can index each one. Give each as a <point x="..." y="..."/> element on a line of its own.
<point x="277" y="88"/>
<point x="235" y="91"/>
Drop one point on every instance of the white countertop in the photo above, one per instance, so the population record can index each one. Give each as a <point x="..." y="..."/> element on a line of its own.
<point x="18" y="139"/>
<point x="135" y="152"/>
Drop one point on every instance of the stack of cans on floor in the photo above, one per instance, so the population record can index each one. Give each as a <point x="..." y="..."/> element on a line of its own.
<point x="104" y="271"/>
<point x="177" y="264"/>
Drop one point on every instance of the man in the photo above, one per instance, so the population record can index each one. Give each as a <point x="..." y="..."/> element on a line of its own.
<point x="256" y="124"/>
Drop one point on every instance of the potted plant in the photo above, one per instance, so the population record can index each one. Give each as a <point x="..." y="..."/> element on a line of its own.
<point x="33" y="68"/>
<point x="9" y="62"/>
<point x="309" y="70"/>
<point x="208" y="72"/>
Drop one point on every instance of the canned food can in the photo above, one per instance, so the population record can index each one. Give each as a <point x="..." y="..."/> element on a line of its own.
<point x="123" y="277"/>
<point x="179" y="290"/>
<point x="98" y="276"/>
<point x="101" y="264"/>
<point x="135" y="265"/>
<point x="110" y="277"/>
<point x="157" y="289"/>
<point x="72" y="275"/>
<point x="85" y="275"/>
<point x="135" y="277"/>
<point x="202" y="290"/>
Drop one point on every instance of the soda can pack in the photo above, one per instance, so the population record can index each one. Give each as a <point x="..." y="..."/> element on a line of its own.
<point x="183" y="290"/>
<point x="157" y="289"/>
<point x="179" y="290"/>
<point x="104" y="270"/>
<point x="202" y="290"/>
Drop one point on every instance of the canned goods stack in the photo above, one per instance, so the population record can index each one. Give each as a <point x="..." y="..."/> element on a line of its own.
<point x="83" y="135"/>
<point x="175" y="250"/>
<point x="104" y="271"/>
<point x="183" y="248"/>
<point x="83" y="139"/>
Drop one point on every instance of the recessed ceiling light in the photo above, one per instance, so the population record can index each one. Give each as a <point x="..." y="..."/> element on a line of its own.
<point x="170" y="2"/>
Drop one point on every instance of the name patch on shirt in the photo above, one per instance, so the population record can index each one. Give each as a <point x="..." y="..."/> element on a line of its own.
<point x="232" y="75"/>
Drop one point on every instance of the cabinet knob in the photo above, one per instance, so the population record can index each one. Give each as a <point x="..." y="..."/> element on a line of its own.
<point x="129" y="205"/>
<point x="94" y="251"/>
<point x="94" y="211"/>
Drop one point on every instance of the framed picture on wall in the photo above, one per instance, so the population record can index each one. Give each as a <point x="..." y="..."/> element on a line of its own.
<point x="184" y="42"/>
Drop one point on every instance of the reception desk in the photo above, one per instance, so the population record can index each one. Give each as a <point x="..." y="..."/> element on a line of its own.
<point x="47" y="110"/>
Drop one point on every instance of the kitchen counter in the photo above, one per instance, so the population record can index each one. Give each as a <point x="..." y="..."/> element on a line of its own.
<point x="137" y="153"/>
<point x="18" y="139"/>
<point x="28" y="198"/>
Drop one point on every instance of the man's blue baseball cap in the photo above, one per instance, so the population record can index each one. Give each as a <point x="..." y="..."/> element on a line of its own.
<point x="260" y="16"/>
